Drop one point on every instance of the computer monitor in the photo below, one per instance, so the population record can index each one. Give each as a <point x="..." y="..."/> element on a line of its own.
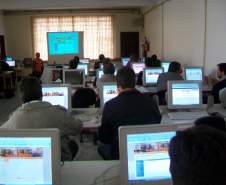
<point x="151" y="75"/>
<point x="57" y="75"/>
<point x="165" y="65"/>
<point x="107" y="92"/>
<point x="144" y="158"/>
<point x="76" y="78"/>
<point x="84" y="60"/>
<point x="184" y="95"/>
<point x="30" y="156"/>
<point x="8" y="58"/>
<point x="11" y="63"/>
<point x="100" y="73"/>
<point x="138" y="67"/>
<point x="193" y="73"/>
<point x="84" y="66"/>
<point x="125" y="61"/>
<point x="57" y="95"/>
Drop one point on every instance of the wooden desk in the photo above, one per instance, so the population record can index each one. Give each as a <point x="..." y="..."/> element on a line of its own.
<point x="90" y="173"/>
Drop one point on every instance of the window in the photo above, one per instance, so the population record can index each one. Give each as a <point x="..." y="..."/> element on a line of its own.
<point x="98" y="33"/>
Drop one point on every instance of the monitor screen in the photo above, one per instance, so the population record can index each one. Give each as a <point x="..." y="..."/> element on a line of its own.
<point x="100" y="73"/>
<point x="138" y="67"/>
<point x="185" y="94"/>
<point x="85" y="67"/>
<point x="148" y="158"/>
<point x="74" y="77"/>
<point x="8" y="58"/>
<point x="109" y="91"/>
<point x="57" y="75"/>
<point x="11" y="63"/>
<point x="151" y="75"/>
<point x="84" y="60"/>
<point x="56" y="95"/>
<point x="165" y="66"/>
<point x="125" y="61"/>
<point x="194" y="73"/>
<point x="25" y="160"/>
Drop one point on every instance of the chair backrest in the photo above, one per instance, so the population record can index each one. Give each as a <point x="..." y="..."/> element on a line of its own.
<point x="83" y="98"/>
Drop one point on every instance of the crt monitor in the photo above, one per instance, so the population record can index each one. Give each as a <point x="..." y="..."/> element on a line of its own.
<point x="165" y="65"/>
<point x="84" y="66"/>
<point x="29" y="156"/>
<point x="193" y="73"/>
<point x="107" y="92"/>
<point x="184" y="94"/>
<point x="76" y="78"/>
<point x="57" y="75"/>
<point x="57" y="95"/>
<point x="144" y="157"/>
<point x="9" y="60"/>
<point x="138" y="67"/>
<point x="125" y="61"/>
<point x="151" y="75"/>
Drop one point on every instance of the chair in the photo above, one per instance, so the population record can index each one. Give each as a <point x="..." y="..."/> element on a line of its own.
<point x="83" y="98"/>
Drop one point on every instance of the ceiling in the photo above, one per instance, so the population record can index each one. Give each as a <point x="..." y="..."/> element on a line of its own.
<point x="71" y="4"/>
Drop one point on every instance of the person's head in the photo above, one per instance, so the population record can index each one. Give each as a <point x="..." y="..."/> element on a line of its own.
<point x="221" y="71"/>
<point x="154" y="57"/>
<point x="30" y="89"/>
<point x="109" y="68"/>
<point x="198" y="157"/>
<point x="148" y="62"/>
<point x="126" y="79"/>
<point x="101" y="57"/>
<point x="212" y="121"/>
<point x="175" y="67"/>
<point x="37" y="55"/>
<point x="73" y="64"/>
<point x="76" y="59"/>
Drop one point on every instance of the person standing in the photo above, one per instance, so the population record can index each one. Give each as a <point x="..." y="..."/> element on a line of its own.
<point x="38" y="66"/>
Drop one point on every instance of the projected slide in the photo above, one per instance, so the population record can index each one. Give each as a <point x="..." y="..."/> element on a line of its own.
<point x="62" y="43"/>
<point x="148" y="158"/>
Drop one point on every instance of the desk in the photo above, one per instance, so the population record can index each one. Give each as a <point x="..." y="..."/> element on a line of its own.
<point x="86" y="172"/>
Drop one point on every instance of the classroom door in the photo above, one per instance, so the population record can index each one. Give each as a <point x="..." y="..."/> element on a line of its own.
<point x="129" y="43"/>
<point x="2" y="46"/>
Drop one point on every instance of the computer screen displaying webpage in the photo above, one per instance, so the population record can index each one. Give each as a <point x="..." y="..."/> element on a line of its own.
<point x="194" y="74"/>
<point x="56" y="96"/>
<point x="148" y="158"/>
<point x="152" y="75"/>
<point x="138" y="67"/>
<point x="25" y="161"/>
<point x="185" y="94"/>
<point x="109" y="92"/>
<point x="83" y="66"/>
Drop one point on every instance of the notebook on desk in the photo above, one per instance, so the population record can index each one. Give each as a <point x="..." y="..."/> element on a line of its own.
<point x="185" y="98"/>
<point x="144" y="158"/>
<point x="29" y="157"/>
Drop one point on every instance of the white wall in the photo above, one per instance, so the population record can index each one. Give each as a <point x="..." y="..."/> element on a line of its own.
<point x="2" y="26"/>
<point x="20" y="41"/>
<point x="216" y="34"/>
<point x="183" y="29"/>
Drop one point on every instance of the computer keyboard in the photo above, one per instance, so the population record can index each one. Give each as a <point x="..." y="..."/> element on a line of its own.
<point x="186" y="115"/>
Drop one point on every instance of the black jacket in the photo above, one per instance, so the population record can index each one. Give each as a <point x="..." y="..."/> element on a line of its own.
<point x="216" y="89"/>
<point x="128" y="108"/>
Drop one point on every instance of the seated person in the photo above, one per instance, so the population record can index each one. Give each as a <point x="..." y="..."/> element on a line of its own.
<point x="174" y="73"/>
<point x="212" y="121"/>
<point x="99" y="62"/>
<point x="198" y="157"/>
<point x="130" y="107"/>
<point x="133" y="59"/>
<point x="155" y="62"/>
<point x="148" y="63"/>
<point x="35" y="113"/>
<point x="73" y="64"/>
<point x="221" y="74"/>
<point x="109" y="70"/>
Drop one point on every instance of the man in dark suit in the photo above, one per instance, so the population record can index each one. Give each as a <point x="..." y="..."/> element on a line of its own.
<point x="130" y="107"/>
<point x="221" y="74"/>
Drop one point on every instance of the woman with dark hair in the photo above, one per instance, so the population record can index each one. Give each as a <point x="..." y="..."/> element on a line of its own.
<point x="174" y="73"/>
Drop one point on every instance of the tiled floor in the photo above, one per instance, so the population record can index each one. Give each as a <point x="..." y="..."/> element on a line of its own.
<point x="87" y="150"/>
